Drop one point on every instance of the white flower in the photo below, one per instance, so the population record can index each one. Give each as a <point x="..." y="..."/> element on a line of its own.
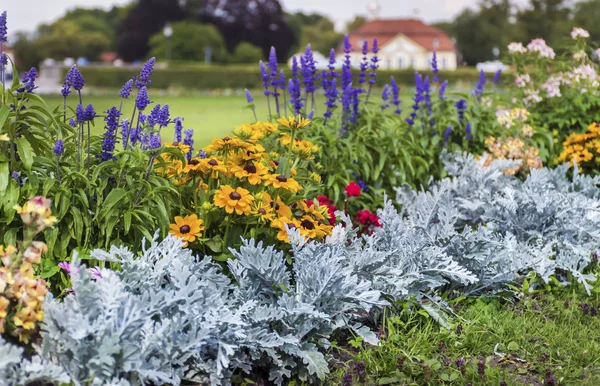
<point x="581" y="55"/>
<point x="540" y="46"/>
<point x="597" y="54"/>
<point x="504" y="118"/>
<point x="532" y="97"/>
<point x="523" y="80"/>
<point x="552" y="86"/>
<point x="579" y="33"/>
<point x="514" y="48"/>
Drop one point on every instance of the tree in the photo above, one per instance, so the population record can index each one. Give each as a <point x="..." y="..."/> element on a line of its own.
<point x="546" y="19"/>
<point x="144" y="19"/>
<point x="64" y="39"/>
<point x="189" y="41"/>
<point x="355" y="23"/>
<point x="246" y="53"/>
<point x="478" y="32"/>
<point x="586" y="15"/>
<point x="27" y="53"/>
<point x="260" y="23"/>
<point x="321" y="36"/>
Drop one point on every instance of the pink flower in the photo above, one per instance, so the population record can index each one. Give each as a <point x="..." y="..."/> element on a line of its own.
<point x="67" y="267"/>
<point x="96" y="273"/>
<point x="540" y="46"/>
<point x="353" y="189"/>
<point x="514" y="48"/>
<point x="579" y="33"/>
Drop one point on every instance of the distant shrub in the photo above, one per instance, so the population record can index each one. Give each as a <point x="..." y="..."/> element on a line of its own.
<point x="246" y="53"/>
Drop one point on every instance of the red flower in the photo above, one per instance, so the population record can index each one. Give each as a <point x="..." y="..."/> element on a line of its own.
<point x="323" y="200"/>
<point x="353" y="189"/>
<point x="366" y="218"/>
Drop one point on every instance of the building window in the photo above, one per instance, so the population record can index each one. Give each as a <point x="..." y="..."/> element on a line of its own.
<point x="436" y="44"/>
<point x="412" y="62"/>
<point x="400" y="63"/>
<point x="444" y="62"/>
<point x="389" y="64"/>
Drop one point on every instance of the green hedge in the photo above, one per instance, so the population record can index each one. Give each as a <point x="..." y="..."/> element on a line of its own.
<point x="238" y="77"/>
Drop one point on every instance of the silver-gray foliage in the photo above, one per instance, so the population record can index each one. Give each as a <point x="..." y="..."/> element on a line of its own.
<point x="16" y="371"/>
<point x="500" y="226"/>
<point x="167" y="316"/>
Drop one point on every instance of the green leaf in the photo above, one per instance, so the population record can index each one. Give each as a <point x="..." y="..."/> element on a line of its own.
<point x="25" y="152"/>
<point x="389" y="381"/>
<point x="113" y="198"/>
<point x="4" y="111"/>
<point x="4" y="177"/>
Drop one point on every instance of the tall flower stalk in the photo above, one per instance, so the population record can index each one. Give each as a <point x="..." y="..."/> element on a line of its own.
<point x="266" y="82"/>
<point x="3" y="39"/>
<point x="374" y="66"/>
<point x="274" y="79"/>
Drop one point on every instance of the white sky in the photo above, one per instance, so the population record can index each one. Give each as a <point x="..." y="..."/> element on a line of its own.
<point x="25" y="15"/>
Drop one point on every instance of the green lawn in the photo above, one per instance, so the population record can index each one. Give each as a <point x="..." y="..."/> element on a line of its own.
<point x="209" y="116"/>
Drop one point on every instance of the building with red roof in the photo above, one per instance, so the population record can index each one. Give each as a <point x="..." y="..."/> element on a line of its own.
<point x="404" y="44"/>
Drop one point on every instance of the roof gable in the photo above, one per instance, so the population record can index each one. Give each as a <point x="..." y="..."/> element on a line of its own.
<point x="385" y="30"/>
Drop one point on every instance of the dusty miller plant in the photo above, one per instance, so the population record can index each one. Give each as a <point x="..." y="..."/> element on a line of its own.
<point x="548" y="223"/>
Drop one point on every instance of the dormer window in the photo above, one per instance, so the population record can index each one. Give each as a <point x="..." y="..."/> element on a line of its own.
<point x="436" y="44"/>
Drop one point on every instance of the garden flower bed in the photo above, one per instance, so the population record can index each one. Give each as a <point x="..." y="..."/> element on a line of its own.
<point x="307" y="246"/>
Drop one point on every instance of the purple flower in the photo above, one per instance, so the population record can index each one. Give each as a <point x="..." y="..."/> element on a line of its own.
<point x="90" y="113"/>
<point x="154" y="141"/>
<point x="331" y="95"/>
<point x="96" y="273"/>
<point x="294" y="89"/>
<point x="72" y="122"/>
<point x="126" y="90"/>
<point x="468" y="131"/>
<point x="178" y="129"/>
<point x="80" y="113"/>
<point x="164" y="118"/>
<point x="202" y="154"/>
<point x="497" y="76"/>
<point x="443" y="90"/>
<point x="28" y="81"/>
<point x="364" y="64"/>
<point x="346" y="73"/>
<point x="142" y="100"/>
<point x="308" y="70"/>
<point x="347" y="95"/>
<point x="461" y="106"/>
<point x="374" y="62"/>
<point x="479" y="88"/>
<point x="311" y="114"/>
<point x="447" y="134"/>
<point x="145" y="73"/>
<point x="67" y="267"/>
<point x="395" y="95"/>
<point x="3" y="28"/>
<point x="66" y="90"/>
<point x="124" y="131"/>
<point x="135" y="135"/>
<point x="274" y="75"/>
<point x="434" y="67"/>
<point x="110" y="135"/>
<point x="189" y="140"/>
<point x="143" y="118"/>
<point x="15" y="175"/>
<point x="385" y="97"/>
<point x="59" y="148"/>
<point x="76" y="78"/>
<point x="249" y="97"/>
<point x="154" y="116"/>
<point x="265" y="78"/>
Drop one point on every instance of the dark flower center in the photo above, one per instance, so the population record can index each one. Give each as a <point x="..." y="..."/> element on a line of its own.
<point x="262" y="211"/>
<point x="281" y="178"/>
<point x="307" y="224"/>
<point x="175" y="143"/>
<point x="194" y="162"/>
<point x="213" y="162"/>
<point x="235" y="196"/>
<point x="250" y="168"/>
<point x="226" y="139"/>
<point x="185" y="229"/>
<point x="291" y="226"/>
<point x="276" y="162"/>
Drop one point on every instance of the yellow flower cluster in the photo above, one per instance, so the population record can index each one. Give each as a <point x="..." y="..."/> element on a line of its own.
<point x="255" y="176"/>
<point x="582" y="148"/>
<point x="21" y="294"/>
<point x="513" y="149"/>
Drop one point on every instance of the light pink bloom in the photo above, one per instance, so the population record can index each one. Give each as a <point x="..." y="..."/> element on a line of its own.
<point x="579" y="33"/>
<point x="514" y="48"/>
<point x="539" y="46"/>
<point x="523" y="80"/>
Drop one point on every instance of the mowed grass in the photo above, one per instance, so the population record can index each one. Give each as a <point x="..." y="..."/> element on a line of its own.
<point x="209" y="116"/>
